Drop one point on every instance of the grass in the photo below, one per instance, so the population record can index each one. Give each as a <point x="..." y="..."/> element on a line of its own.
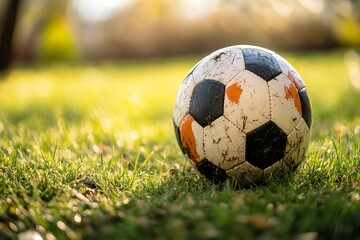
<point x="88" y="152"/>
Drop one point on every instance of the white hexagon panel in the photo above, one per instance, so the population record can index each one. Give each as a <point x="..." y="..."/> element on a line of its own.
<point x="247" y="101"/>
<point x="222" y="65"/>
<point x="224" y="144"/>
<point x="285" y="103"/>
<point x="246" y="174"/>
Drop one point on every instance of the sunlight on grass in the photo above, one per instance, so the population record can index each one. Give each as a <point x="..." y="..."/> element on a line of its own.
<point x="89" y="152"/>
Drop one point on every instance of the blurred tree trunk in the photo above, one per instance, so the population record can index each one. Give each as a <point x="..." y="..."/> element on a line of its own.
<point x="7" y="33"/>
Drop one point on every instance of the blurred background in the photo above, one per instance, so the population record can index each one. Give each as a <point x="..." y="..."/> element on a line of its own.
<point x="33" y="31"/>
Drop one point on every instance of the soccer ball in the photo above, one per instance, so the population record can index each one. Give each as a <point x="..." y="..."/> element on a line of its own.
<point x="243" y="113"/>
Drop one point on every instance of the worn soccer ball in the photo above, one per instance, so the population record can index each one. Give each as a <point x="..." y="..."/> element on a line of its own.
<point x="243" y="113"/>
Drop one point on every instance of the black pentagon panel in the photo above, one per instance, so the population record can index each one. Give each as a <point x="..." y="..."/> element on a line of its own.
<point x="305" y="107"/>
<point x="207" y="101"/>
<point x="261" y="63"/>
<point x="265" y="145"/>
<point x="211" y="171"/>
<point x="177" y="134"/>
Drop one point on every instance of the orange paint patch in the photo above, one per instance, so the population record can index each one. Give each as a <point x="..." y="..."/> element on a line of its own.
<point x="188" y="139"/>
<point x="298" y="84"/>
<point x="292" y="93"/>
<point x="233" y="92"/>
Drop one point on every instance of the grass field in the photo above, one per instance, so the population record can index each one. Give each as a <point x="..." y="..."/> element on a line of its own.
<point x="88" y="152"/>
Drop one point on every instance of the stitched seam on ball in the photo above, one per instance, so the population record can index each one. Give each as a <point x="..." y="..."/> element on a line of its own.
<point x="234" y="124"/>
<point x="301" y="88"/>
<point x="189" y="104"/>
<point x="287" y="135"/>
<point x="227" y="82"/>
<point x="268" y="87"/>
<point x="298" y="153"/>
<point x="237" y="165"/>
<point x="203" y="143"/>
